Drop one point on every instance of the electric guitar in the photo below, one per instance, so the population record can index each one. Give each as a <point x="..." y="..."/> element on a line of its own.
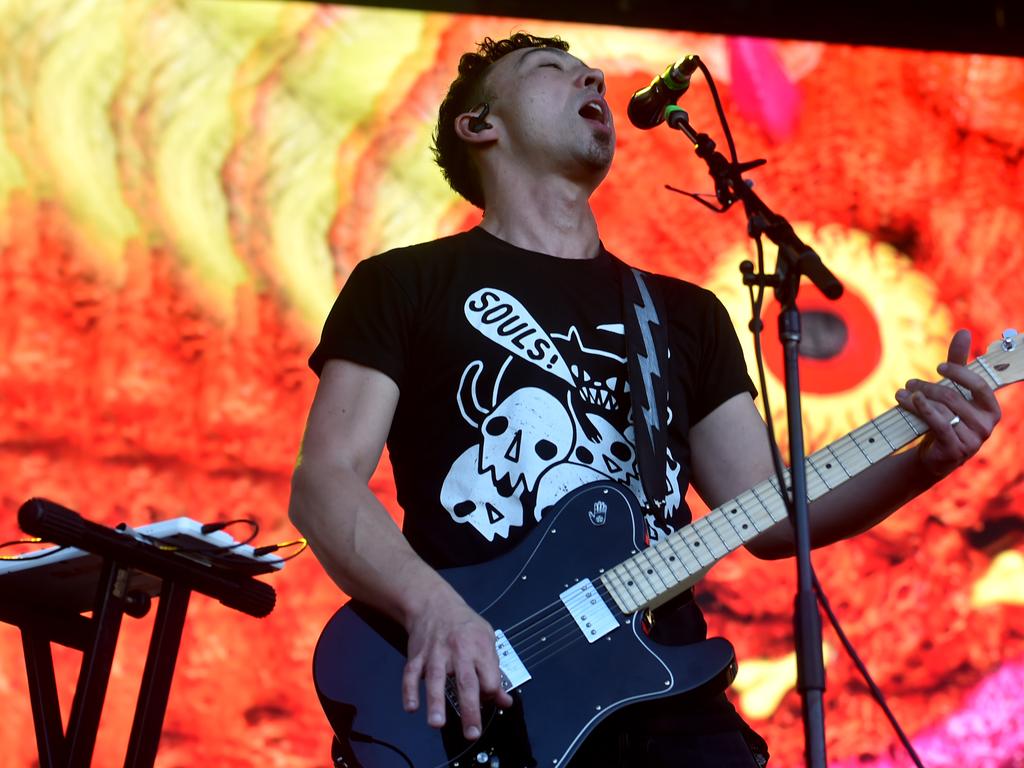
<point x="567" y="608"/>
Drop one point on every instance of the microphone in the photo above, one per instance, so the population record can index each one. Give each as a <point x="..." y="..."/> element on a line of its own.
<point x="647" y="106"/>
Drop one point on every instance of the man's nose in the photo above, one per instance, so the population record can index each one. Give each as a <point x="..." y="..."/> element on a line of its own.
<point x="593" y="78"/>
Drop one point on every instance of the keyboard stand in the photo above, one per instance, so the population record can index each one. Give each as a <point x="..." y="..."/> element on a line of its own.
<point x="45" y="622"/>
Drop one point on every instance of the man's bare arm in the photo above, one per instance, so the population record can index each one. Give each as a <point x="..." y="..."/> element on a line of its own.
<point x="363" y="550"/>
<point x="730" y="455"/>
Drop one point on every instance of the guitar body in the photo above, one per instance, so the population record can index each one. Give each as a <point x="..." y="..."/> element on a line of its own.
<point x="573" y="683"/>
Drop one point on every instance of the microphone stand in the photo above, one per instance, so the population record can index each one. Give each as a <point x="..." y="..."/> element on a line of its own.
<point x="795" y="260"/>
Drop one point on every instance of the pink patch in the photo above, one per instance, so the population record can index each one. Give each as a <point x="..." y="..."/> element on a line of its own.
<point x="763" y="91"/>
<point x="987" y="732"/>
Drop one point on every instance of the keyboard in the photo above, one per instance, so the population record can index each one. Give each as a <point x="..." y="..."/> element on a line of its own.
<point x="69" y="576"/>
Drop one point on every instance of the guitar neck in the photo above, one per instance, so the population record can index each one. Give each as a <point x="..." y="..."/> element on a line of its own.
<point x="678" y="561"/>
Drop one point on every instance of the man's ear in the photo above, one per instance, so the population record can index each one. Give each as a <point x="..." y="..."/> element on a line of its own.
<point x="473" y="127"/>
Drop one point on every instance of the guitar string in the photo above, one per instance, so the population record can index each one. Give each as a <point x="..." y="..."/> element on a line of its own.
<point x="564" y="620"/>
<point x="553" y="606"/>
<point x="894" y="417"/>
<point x="551" y="643"/>
<point x="844" y="454"/>
<point x="551" y="640"/>
<point x="567" y="628"/>
<point x="552" y="649"/>
<point x="557" y="610"/>
<point x="542" y="640"/>
<point x="550" y="608"/>
<point x="537" y="629"/>
<point x="558" y="614"/>
<point x="543" y="614"/>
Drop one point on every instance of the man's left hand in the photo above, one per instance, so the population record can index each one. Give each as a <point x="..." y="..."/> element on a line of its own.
<point x="958" y="425"/>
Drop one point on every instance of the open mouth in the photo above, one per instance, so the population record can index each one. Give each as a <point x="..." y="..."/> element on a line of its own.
<point x="595" y="111"/>
<point x="600" y="397"/>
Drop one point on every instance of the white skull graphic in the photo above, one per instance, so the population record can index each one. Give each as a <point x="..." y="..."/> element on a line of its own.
<point x="470" y="497"/>
<point x="526" y="434"/>
<point x="611" y="454"/>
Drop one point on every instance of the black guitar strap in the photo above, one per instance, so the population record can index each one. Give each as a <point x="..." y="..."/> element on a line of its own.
<point x="644" y="317"/>
<point x="643" y="314"/>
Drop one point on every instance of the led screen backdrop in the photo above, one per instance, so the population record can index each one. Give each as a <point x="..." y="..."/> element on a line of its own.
<point x="185" y="185"/>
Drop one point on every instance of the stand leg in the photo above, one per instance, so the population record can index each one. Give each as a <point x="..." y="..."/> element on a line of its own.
<point x="96" y="663"/>
<point x="42" y="689"/>
<point x="156" y="679"/>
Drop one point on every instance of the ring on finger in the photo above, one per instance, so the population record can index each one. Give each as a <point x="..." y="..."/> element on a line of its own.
<point x="954" y="421"/>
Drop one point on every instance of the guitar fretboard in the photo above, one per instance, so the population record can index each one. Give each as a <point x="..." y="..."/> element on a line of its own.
<point x="680" y="559"/>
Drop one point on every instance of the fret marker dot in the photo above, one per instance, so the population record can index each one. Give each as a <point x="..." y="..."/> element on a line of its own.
<point x="732" y="511"/>
<point x="871" y="439"/>
<point x="629" y="583"/>
<point x="696" y="543"/>
<point x="744" y="526"/>
<point x="650" y="571"/>
<point x="828" y="466"/>
<point x="671" y="558"/>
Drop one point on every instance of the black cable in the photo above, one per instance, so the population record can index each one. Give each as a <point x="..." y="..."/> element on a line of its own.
<point x="207" y="528"/>
<point x="367" y="739"/>
<point x="242" y="562"/>
<point x="28" y="555"/>
<point x="718" y="108"/>
<point x="756" y="328"/>
<point x="698" y="196"/>
<point x="876" y="692"/>
<point x="301" y="543"/>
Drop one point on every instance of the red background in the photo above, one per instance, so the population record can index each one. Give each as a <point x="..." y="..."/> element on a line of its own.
<point x="140" y="383"/>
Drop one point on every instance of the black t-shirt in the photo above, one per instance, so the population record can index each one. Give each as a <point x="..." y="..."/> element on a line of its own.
<point x="513" y="383"/>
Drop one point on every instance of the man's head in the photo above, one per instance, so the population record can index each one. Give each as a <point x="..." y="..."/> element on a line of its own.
<point x="506" y="88"/>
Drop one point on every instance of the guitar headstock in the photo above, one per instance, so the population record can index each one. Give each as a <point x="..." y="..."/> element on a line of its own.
<point x="1006" y="356"/>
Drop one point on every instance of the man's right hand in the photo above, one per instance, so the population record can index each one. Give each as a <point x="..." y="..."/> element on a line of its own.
<point x="446" y="637"/>
<point x="332" y="505"/>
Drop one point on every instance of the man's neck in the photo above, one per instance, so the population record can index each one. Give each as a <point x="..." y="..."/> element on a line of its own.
<point x="554" y="218"/>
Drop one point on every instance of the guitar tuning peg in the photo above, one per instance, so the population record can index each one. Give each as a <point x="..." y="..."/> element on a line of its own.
<point x="1009" y="339"/>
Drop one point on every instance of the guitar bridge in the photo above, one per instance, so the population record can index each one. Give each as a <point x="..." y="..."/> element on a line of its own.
<point x="513" y="671"/>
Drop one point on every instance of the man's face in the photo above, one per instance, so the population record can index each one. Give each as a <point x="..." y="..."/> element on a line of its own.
<point x="553" y="109"/>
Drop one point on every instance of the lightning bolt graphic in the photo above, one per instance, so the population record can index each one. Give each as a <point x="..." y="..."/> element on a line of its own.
<point x="647" y="316"/>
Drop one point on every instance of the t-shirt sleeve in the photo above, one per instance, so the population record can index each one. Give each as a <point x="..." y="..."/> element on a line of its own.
<point x="722" y="372"/>
<point x="370" y="323"/>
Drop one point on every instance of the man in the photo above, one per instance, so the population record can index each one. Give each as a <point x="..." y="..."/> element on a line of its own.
<point x="493" y="364"/>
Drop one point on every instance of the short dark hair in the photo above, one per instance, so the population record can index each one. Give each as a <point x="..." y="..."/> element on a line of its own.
<point x="466" y="92"/>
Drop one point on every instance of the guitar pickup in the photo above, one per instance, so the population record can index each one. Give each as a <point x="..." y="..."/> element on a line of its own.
<point x="588" y="610"/>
